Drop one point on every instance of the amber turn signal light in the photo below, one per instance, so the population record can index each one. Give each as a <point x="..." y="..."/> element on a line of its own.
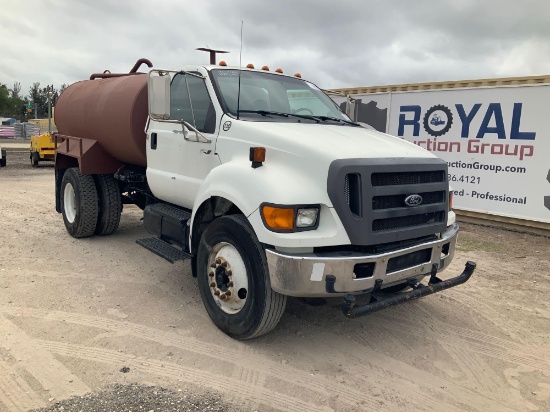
<point x="257" y="154"/>
<point x="278" y="218"/>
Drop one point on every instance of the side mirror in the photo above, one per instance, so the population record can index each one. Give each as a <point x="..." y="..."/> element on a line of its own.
<point x="159" y="95"/>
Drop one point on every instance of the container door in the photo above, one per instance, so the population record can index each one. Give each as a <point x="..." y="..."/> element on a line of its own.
<point x="176" y="166"/>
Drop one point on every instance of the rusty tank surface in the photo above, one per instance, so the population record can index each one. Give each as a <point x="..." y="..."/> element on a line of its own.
<point x="111" y="109"/>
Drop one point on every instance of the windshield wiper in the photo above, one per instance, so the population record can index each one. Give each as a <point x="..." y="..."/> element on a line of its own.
<point x="267" y="113"/>
<point x="264" y="112"/>
<point x="335" y="119"/>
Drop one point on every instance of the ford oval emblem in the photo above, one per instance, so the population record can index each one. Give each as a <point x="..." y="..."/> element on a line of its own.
<point x="413" y="200"/>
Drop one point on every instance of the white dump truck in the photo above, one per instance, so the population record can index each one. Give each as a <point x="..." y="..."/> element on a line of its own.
<point x="262" y="182"/>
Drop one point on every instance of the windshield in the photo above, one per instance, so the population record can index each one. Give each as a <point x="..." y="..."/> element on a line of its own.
<point x="274" y="96"/>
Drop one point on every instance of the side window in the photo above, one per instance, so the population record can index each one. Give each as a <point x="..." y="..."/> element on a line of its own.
<point x="202" y="114"/>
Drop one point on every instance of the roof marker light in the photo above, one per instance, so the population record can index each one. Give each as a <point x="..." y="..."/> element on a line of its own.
<point x="223" y="63"/>
<point x="298" y="75"/>
<point x="279" y="70"/>
<point x="265" y="68"/>
<point x="249" y="66"/>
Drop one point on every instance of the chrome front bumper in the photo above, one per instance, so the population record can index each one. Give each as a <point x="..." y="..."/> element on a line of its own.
<point x="306" y="275"/>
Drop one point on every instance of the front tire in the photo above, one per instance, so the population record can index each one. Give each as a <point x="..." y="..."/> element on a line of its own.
<point x="234" y="280"/>
<point x="109" y="203"/>
<point x="79" y="203"/>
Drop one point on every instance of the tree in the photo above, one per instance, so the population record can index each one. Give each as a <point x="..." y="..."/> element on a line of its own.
<point x="36" y="97"/>
<point x="4" y="100"/>
<point x="16" y="102"/>
<point x="39" y="96"/>
<point x="15" y="93"/>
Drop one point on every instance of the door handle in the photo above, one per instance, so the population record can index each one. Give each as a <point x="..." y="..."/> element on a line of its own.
<point x="206" y="151"/>
<point x="154" y="141"/>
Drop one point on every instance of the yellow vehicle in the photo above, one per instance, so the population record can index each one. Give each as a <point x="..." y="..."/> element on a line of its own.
<point x="42" y="148"/>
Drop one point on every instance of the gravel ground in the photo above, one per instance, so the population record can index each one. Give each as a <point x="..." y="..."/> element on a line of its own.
<point x="136" y="398"/>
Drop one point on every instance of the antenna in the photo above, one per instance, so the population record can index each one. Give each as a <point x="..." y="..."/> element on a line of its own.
<point x="240" y="69"/>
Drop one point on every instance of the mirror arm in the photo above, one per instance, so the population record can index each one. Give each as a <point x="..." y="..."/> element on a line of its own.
<point x="184" y="125"/>
<point x="206" y="139"/>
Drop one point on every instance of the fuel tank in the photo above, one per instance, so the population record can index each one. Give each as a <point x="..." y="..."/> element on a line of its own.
<point x="112" y="111"/>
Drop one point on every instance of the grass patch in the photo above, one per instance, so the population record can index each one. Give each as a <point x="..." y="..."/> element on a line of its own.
<point x="469" y="243"/>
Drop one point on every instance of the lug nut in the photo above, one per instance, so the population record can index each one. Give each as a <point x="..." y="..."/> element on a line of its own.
<point x="217" y="293"/>
<point x="229" y="273"/>
<point x="212" y="265"/>
<point x="228" y="293"/>
<point x="223" y="297"/>
<point x="211" y="274"/>
<point x="230" y="284"/>
<point x="224" y="264"/>
<point x="218" y="261"/>
<point x="213" y="285"/>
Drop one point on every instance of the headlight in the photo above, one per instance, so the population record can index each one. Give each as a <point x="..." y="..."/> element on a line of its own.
<point x="290" y="218"/>
<point x="307" y="217"/>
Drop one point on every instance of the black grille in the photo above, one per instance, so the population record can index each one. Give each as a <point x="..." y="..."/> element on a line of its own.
<point x="369" y="197"/>
<point x="395" y="201"/>
<point x="409" y="260"/>
<point x="393" y="223"/>
<point x="407" y="178"/>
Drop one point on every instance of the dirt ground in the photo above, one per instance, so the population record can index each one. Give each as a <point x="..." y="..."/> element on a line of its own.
<point x="75" y="313"/>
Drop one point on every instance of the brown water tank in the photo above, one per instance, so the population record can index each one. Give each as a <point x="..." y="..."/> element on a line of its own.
<point x="112" y="111"/>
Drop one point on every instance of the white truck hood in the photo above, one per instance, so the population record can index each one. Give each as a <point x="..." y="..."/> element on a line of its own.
<point x="326" y="141"/>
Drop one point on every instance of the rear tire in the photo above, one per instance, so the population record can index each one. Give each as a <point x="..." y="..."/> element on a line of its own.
<point x="230" y="258"/>
<point x="109" y="205"/>
<point x="79" y="204"/>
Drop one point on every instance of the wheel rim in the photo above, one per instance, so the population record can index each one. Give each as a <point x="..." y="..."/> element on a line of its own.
<point x="69" y="203"/>
<point x="227" y="278"/>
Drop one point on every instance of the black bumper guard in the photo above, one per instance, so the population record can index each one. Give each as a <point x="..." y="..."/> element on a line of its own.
<point x="351" y="310"/>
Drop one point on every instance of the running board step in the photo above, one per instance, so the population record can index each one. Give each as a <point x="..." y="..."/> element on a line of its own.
<point x="163" y="249"/>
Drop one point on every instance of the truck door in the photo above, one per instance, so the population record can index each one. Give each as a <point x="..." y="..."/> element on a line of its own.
<point x="178" y="164"/>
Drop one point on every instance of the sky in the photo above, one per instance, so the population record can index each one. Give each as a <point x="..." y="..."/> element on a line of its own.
<point x="334" y="44"/>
